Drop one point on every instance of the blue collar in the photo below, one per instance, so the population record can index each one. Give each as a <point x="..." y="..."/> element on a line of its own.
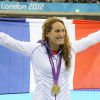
<point x="48" y="48"/>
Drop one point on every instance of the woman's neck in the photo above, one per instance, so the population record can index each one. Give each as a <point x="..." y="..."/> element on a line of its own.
<point x="54" y="47"/>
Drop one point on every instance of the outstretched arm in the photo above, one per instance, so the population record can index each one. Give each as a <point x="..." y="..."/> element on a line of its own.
<point x="86" y="42"/>
<point x="13" y="44"/>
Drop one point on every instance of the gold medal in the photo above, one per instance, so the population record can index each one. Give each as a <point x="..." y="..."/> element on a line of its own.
<point x="55" y="89"/>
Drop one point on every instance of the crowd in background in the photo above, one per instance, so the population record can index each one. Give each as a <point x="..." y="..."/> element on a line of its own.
<point x="67" y="1"/>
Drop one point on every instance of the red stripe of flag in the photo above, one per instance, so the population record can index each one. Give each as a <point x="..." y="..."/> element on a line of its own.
<point x="87" y="65"/>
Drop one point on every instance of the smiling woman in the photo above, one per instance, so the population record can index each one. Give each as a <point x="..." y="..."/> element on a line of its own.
<point x="56" y="36"/>
<point x="55" y="33"/>
<point x="51" y="58"/>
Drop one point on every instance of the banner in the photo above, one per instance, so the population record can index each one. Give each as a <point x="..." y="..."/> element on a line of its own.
<point x="41" y="7"/>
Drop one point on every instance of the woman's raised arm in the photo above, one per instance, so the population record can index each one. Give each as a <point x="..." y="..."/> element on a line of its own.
<point x="15" y="45"/>
<point x="84" y="43"/>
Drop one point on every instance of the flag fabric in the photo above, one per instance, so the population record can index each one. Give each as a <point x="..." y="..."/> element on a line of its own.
<point x="14" y="67"/>
<point x="87" y="66"/>
<point x="16" y="74"/>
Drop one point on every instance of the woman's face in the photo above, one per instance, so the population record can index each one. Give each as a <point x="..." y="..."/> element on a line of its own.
<point x="56" y="36"/>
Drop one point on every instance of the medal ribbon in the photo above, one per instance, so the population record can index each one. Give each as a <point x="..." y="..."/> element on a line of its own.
<point x="54" y="73"/>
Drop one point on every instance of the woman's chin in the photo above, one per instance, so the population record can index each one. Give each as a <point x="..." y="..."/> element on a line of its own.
<point x="60" y="43"/>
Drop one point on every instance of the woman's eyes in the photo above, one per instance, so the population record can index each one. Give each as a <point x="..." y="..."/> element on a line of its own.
<point x="58" y="30"/>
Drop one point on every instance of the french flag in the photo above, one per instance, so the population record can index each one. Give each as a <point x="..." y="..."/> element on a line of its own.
<point x="16" y="74"/>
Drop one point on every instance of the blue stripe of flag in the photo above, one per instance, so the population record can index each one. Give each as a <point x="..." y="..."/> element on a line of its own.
<point x="14" y="67"/>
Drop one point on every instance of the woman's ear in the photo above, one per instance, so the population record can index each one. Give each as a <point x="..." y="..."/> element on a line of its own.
<point x="47" y="34"/>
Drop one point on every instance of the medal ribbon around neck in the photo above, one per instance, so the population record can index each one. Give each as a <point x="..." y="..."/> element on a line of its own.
<point x="55" y="88"/>
<point x="55" y="73"/>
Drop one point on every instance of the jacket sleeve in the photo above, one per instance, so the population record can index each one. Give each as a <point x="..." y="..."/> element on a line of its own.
<point x="86" y="42"/>
<point x="13" y="44"/>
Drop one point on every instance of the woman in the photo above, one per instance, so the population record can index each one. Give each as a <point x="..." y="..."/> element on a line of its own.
<point x="51" y="58"/>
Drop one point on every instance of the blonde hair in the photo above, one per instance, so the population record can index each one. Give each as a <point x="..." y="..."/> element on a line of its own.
<point x="66" y="48"/>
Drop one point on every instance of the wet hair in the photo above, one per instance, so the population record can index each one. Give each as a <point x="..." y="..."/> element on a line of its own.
<point x="66" y="47"/>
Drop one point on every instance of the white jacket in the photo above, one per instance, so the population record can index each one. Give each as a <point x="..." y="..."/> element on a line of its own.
<point x="41" y="65"/>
